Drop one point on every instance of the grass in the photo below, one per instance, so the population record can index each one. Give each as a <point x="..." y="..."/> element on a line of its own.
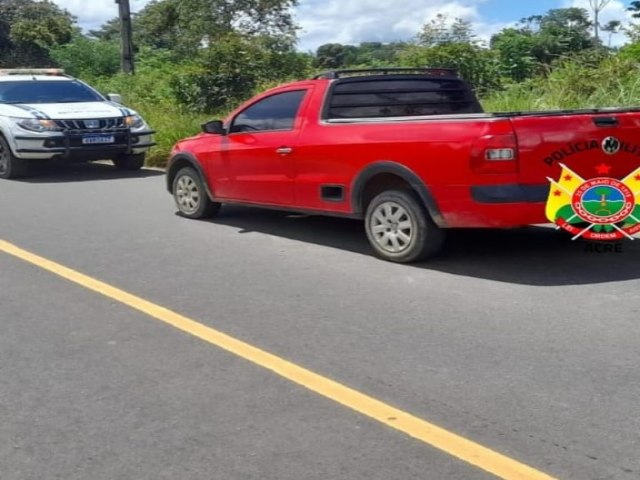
<point x="171" y="124"/>
<point x="610" y="208"/>
<point x="614" y="82"/>
<point x="148" y="93"/>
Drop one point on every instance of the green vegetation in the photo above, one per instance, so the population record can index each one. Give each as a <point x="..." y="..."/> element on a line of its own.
<point x="197" y="59"/>
<point x="609" y="208"/>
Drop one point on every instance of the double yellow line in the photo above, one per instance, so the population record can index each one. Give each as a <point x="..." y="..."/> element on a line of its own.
<point x="466" y="450"/>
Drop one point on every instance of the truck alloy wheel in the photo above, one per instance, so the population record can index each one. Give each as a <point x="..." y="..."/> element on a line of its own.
<point x="392" y="227"/>
<point x="190" y="195"/>
<point x="400" y="229"/>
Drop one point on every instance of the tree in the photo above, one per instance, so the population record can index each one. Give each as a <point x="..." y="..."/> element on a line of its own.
<point x="477" y="65"/>
<point x="88" y="58"/>
<point x="597" y="6"/>
<point x="634" y="8"/>
<point x="560" y="32"/>
<point x="335" y="55"/>
<point x="515" y="50"/>
<point x="109" y="31"/>
<point x="612" y="27"/>
<point x="565" y="30"/>
<point x="441" y="31"/>
<point x="187" y="25"/>
<point x="28" y="28"/>
<point x="231" y="69"/>
<point x="158" y="25"/>
<point x="603" y="193"/>
<point x="633" y="30"/>
<point x="376" y="54"/>
<point x="231" y="46"/>
<point x="225" y="48"/>
<point x="630" y="51"/>
<point x="540" y="41"/>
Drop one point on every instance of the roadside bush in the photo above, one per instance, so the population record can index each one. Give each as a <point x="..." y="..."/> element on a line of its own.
<point x="596" y="82"/>
<point x="630" y="52"/>
<point x="149" y="92"/>
<point x="478" y="66"/>
<point x="84" y="57"/>
<point x="202" y="90"/>
<point x="230" y="70"/>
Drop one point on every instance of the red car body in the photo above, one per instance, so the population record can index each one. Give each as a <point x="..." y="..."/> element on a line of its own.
<point x="469" y="169"/>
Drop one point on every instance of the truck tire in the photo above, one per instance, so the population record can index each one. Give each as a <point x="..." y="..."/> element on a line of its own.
<point x="10" y="165"/>
<point x="134" y="161"/>
<point x="400" y="229"/>
<point x="191" y="196"/>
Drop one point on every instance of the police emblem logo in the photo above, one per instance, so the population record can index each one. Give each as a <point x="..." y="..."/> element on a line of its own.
<point x="611" y="145"/>
<point x="600" y="208"/>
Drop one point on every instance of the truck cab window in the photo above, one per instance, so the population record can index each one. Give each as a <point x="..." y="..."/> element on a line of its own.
<point x="277" y="112"/>
<point x="400" y="97"/>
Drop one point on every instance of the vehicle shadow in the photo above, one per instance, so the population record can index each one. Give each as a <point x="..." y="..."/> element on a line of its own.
<point x="535" y="255"/>
<point x="82" y="172"/>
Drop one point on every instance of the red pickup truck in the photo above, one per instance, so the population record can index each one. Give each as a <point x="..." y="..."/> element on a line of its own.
<point x="410" y="151"/>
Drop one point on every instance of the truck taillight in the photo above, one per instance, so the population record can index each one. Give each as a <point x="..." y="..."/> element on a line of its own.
<point x="495" y="154"/>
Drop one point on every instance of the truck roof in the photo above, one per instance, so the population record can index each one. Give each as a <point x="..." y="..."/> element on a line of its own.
<point x="389" y="92"/>
<point x="367" y="72"/>
<point x="376" y="73"/>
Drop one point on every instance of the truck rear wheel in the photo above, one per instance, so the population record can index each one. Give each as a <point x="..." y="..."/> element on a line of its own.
<point x="400" y="229"/>
<point x="10" y="165"/>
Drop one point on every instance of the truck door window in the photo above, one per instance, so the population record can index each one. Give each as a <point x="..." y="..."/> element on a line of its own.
<point x="277" y="112"/>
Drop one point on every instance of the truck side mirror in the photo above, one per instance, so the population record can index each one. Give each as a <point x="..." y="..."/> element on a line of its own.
<point x="115" y="97"/>
<point x="215" y="127"/>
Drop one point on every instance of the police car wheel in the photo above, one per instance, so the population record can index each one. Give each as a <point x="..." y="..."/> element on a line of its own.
<point x="129" y="162"/>
<point x="10" y="165"/>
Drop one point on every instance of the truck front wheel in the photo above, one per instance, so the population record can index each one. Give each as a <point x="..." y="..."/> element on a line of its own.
<point x="10" y="165"/>
<point x="191" y="196"/>
<point x="400" y="229"/>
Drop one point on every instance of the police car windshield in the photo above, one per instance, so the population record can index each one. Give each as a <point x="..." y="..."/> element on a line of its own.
<point x="36" y="91"/>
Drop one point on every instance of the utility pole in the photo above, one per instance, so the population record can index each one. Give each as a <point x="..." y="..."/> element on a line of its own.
<point x="126" y="43"/>
<point x="597" y="6"/>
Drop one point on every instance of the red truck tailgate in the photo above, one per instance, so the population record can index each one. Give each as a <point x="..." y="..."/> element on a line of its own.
<point x="602" y="143"/>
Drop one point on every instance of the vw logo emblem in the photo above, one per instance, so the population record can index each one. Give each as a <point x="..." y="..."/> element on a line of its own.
<point x="611" y="145"/>
<point x="93" y="124"/>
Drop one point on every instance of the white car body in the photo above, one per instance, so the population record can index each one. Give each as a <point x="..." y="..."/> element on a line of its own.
<point x="78" y="131"/>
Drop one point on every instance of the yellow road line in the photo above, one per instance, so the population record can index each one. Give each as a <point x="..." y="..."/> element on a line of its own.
<point x="484" y="458"/>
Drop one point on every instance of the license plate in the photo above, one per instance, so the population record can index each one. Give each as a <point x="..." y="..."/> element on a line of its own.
<point x="98" y="139"/>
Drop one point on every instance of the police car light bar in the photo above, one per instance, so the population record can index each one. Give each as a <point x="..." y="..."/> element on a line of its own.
<point x="32" y="71"/>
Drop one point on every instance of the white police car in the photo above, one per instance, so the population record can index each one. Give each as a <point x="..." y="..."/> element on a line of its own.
<point x="45" y="115"/>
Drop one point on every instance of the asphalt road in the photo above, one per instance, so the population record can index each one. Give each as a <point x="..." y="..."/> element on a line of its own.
<point x="520" y="340"/>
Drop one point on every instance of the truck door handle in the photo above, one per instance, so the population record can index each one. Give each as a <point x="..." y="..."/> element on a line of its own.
<point x="605" y="121"/>
<point x="284" y="150"/>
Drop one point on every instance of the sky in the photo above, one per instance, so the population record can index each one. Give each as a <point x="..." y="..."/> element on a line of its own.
<point x="356" y="21"/>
